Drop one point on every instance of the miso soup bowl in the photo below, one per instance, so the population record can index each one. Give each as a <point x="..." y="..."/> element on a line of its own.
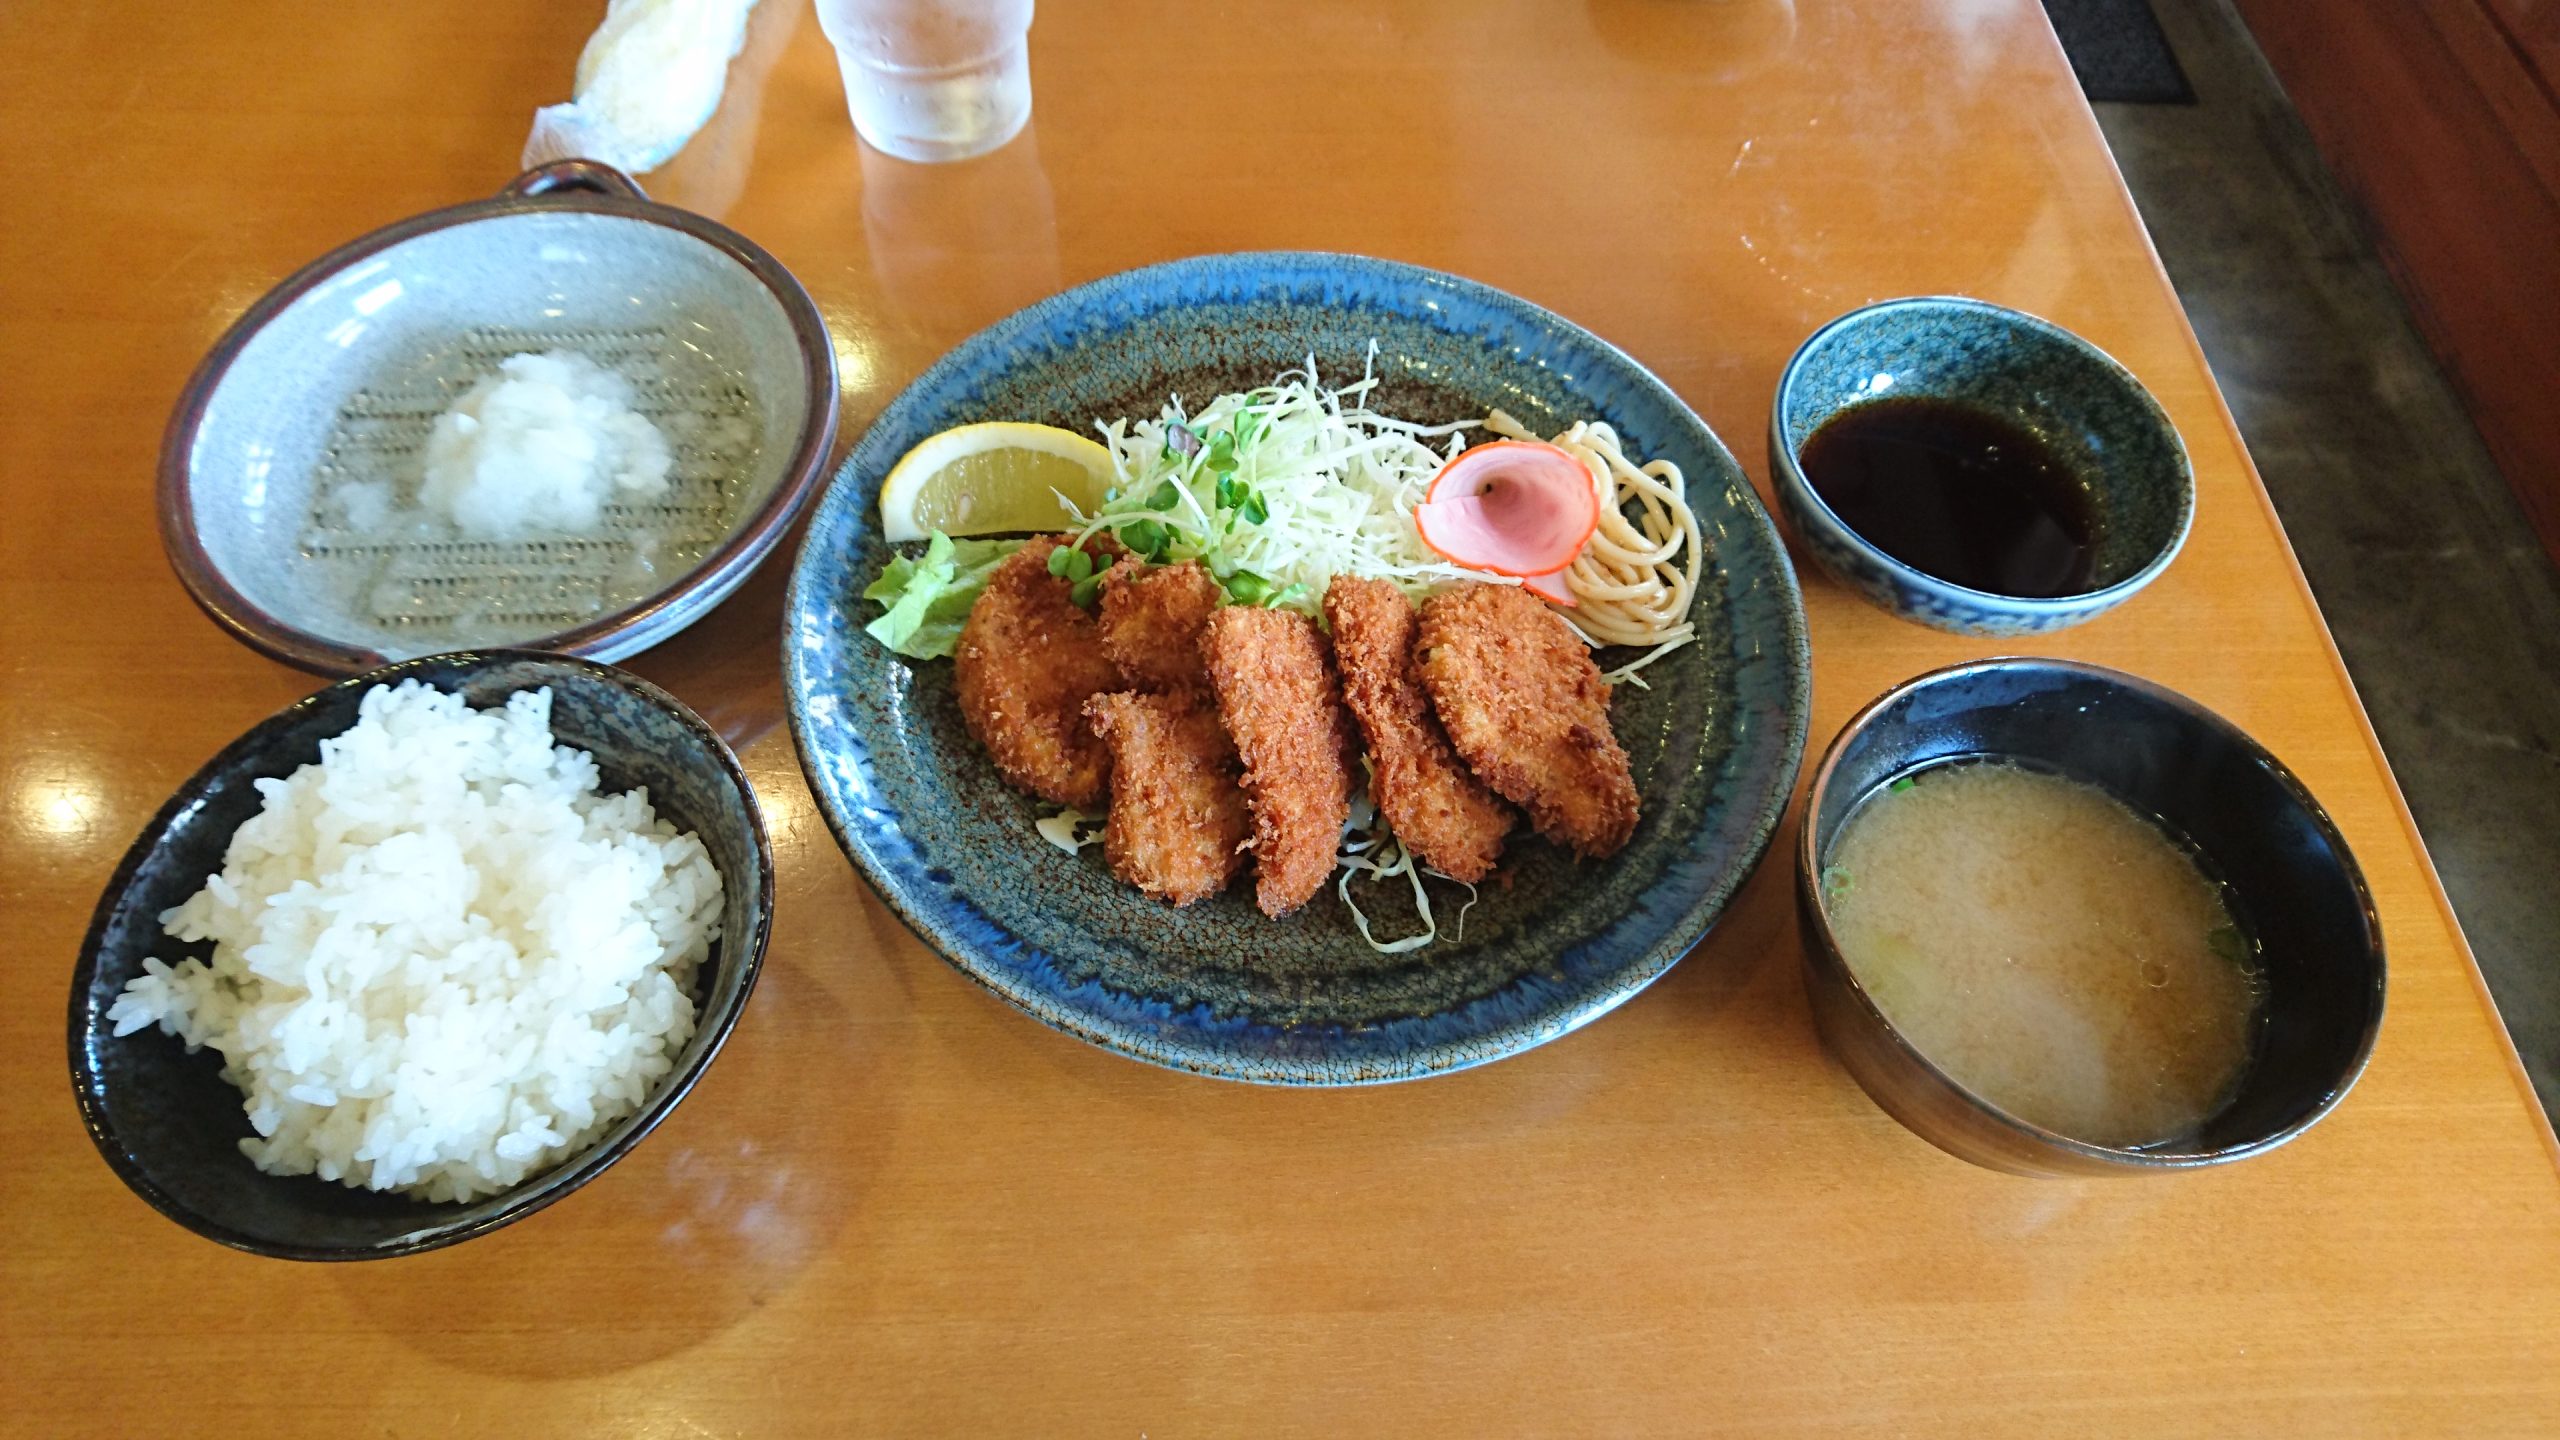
<point x="2168" y="757"/>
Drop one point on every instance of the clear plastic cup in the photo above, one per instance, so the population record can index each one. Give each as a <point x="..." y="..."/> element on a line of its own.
<point x="933" y="79"/>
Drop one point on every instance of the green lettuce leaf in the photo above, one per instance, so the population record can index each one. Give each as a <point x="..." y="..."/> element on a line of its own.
<point x="928" y="596"/>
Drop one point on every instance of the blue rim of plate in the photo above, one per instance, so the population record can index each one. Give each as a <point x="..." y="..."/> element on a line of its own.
<point x="1592" y="970"/>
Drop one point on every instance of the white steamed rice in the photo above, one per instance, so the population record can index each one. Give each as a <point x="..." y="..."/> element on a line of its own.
<point x="443" y="962"/>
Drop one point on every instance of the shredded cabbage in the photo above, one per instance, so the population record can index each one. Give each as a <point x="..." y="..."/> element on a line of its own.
<point x="1277" y="490"/>
<point x="1069" y="828"/>
<point x="1370" y="848"/>
<point x="1626" y="674"/>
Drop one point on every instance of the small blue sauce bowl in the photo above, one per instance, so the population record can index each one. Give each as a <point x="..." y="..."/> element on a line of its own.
<point x="2088" y="410"/>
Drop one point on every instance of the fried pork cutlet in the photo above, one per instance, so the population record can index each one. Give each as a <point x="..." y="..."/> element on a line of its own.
<point x="1151" y="619"/>
<point x="1527" y="709"/>
<point x="1435" y="805"/>
<point x="1277" y="695"/>
<point x="1028" y="660"/>
<point x="1178" y="825"/>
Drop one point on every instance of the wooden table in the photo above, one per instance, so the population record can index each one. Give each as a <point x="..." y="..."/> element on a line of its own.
<point x="896" y="1205"/>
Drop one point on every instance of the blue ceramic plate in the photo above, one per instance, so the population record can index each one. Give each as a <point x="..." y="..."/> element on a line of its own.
<point x="1217" y="988"/>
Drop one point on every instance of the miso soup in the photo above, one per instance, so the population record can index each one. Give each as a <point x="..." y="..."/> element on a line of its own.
<point x="2050" y="950"/>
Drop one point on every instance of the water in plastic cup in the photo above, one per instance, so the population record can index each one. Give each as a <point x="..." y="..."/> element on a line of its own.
<point x="933" y="79"/>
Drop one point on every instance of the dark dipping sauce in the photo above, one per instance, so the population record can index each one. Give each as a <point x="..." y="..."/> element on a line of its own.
<point x="1960" y="493"/>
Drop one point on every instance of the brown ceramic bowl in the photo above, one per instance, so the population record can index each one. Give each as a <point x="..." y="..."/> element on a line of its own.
<point x="2164" y="755"/>
<point x="313" y="411"/>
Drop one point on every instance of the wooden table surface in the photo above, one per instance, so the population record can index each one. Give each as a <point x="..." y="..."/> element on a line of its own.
<point x="896" y="1205"/>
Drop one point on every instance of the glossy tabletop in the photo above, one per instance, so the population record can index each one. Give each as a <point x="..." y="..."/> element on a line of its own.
<point x="894" y="1205"/>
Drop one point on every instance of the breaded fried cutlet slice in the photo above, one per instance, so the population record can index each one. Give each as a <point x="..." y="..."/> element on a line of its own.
<point x="1277" y="695"/>
<point x="1151" y="619"/>
<point x="1178" y="824"/>
<point x="1527" y="709"/>
<point x="1435" y="805"/>
<point x="1029" y="658"/>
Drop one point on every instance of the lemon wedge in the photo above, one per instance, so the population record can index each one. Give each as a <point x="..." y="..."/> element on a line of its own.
<point x="997" y="478"/>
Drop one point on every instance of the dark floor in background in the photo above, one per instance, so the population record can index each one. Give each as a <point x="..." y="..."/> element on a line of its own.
<point x="2447" y="610"/>
<point x="2118" y="51"/>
